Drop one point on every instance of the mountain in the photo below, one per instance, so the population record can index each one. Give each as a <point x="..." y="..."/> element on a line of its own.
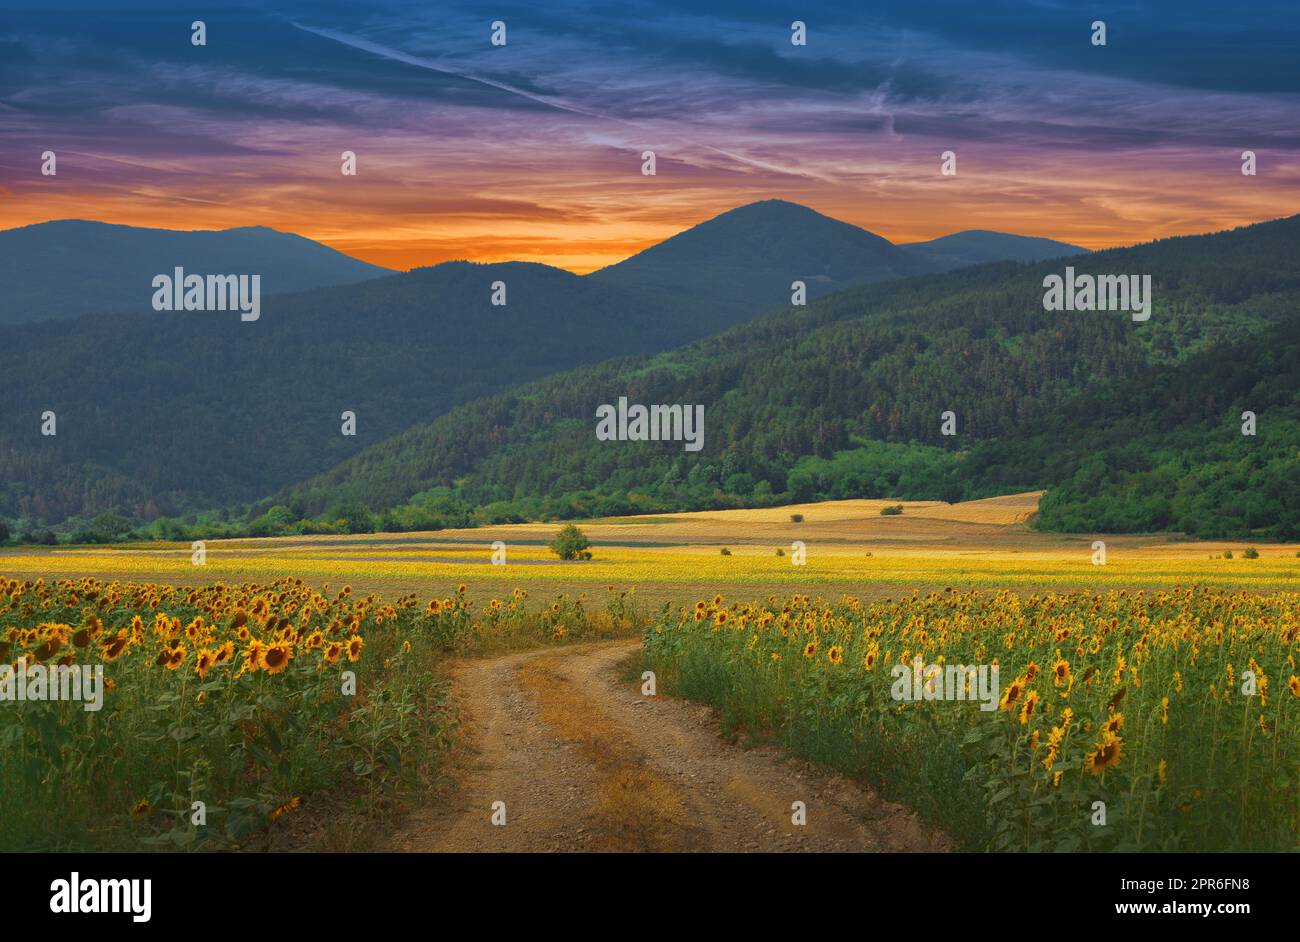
<point x="977" y="246"/>
<point x="71" y="267"/>
<point x="168" y="411"/>
<point x="745" y="260"/>
<point x="1133" y="425"/>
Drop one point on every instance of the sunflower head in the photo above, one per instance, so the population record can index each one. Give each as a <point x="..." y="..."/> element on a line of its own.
<point x="276" y="658"/>
<point x="1105" y="754"/>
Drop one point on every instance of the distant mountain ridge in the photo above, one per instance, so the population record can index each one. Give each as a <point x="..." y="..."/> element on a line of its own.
<point x="979" y="246"/>
<point x="743" y="260"/>
<point x="70" y="267"/>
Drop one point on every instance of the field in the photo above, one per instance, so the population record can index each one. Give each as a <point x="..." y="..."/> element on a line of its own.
<point x="1123" y="683"/>
<point x="1173" y="715"/>
<point x="850" y="549"/>
<point x="218" y="709"/>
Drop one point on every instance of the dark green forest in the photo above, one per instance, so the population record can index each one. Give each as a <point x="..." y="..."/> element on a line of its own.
<point x="172" y="413"/>
<point x="1132" y="426"/>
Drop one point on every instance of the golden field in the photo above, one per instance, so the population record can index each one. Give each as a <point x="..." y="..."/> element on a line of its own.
<point x="850" y="549"/>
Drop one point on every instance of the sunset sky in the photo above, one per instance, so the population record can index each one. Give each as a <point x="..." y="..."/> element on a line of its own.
<point x="532" y="150"/>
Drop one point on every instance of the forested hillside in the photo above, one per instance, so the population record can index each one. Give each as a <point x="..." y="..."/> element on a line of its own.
<point x="1134" y="425"/>
<point x="166" y="413"/>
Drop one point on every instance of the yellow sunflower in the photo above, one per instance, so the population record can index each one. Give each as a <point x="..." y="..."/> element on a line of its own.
<point x="276" y="657"/>
<point x="1105" y="754"/>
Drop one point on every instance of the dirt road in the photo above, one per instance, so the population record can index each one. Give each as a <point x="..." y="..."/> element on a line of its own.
<point x="572" y="758"/>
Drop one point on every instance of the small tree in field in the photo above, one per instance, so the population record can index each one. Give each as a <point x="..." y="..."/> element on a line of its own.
<point x="571" y="543"/>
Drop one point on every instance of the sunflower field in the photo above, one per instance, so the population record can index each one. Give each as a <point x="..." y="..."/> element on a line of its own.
<point x="225" y="707"/>
<point x="1124" y="721"/>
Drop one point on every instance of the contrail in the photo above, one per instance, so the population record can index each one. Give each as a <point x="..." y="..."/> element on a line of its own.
<point x="388" y="52"/>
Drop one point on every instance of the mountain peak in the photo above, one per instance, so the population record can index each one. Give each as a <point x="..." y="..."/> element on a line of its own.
<point x="748" y="258"/>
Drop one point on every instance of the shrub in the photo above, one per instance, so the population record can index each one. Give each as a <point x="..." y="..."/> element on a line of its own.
<point x="892" y="510"/>
<point x="1251" y="553"/>
<point x="726" y="552"/>
<point x="796" y="518"/>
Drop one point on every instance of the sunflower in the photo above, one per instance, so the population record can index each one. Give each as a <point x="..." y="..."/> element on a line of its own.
<point x="224" y="653"/>
<point x="869" y="659"/>
<point x="141" y="809"/>
<point x="1028" y="707"/>
<point x="333" y="651"/>
<point x="1061" y="672"/>
<point x="810" y="649"/>
<point x="835" y="654"/>
<point x="276" y="658"/>
<point x="1011" y="695"/>
<point x="1105" y="754"/>
<point x="175" y="657"/>
<point x="203" y="662"/>
<point x="253" y="656"/>
<point x="355" y="644"/>
<point x="1114" y="724"/>
<point x="1293" y="683"/>
<point x="114" y="648"/>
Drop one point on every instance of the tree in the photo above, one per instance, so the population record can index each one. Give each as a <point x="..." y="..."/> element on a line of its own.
<point x="571" y="543"/>
<point x="112" y="526"/>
